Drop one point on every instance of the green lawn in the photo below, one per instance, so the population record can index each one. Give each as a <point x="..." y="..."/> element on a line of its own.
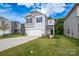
<point x="57" y="46"/>
<point x="11" y="36"/>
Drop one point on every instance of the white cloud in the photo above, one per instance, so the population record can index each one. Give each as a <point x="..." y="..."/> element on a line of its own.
<point x="47" y="8"/>
<point x="7" y="11"/>
<point x="26" y="4"/>
<point x="52" y="8"/>
<point x="43" y="11"/>
<point x="3" y="10"/>
<point x="13" y="17"/>
<point x="5" y="5"/>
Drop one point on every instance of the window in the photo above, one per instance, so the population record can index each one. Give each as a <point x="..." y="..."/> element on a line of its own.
<point x="39" y="19"/>
<point x="68" y="30"/>
<point x="50" y="21"/>
<point x="29" y="20"/>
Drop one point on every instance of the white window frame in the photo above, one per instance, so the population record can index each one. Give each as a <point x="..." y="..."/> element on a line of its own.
<point x="27" y="20"/>
<point x="38" y="17"/>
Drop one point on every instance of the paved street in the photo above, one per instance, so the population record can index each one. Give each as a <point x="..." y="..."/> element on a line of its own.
<point x="11" y="42"/>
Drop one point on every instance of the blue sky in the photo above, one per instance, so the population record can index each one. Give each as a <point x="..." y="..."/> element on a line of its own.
<point x="17" y="11"/>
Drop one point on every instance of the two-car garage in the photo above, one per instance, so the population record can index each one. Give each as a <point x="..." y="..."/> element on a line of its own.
<point x="34" y="32"/>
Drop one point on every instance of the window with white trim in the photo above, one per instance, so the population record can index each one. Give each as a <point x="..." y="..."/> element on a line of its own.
<point x="29" y="20"/>
<point x="39" y="19"/>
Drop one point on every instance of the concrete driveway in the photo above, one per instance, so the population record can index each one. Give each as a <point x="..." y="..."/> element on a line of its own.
<point x="11" y="42"/>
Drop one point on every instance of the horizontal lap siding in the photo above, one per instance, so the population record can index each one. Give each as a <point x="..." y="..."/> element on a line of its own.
<point x="72" y="23"/>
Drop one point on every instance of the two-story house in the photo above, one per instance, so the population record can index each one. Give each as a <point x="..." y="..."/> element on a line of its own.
<point x="10" y="27"/>
<point x="4" y="26"/>
<point x="38" y="24"/>
<point x="71" y="23"/>
<point x="17" y="28"/>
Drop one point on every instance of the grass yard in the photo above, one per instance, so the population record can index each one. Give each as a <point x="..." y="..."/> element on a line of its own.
<point x="11" y="36"/>
<point x="57" y="46"/>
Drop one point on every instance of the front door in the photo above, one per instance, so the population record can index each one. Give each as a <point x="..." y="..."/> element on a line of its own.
<point x="51" y="31"/>
<point x="16" y="31"/>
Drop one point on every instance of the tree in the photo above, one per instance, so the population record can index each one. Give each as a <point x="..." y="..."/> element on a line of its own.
<point x="59" y="26"/>
<point x="49" y="17"/>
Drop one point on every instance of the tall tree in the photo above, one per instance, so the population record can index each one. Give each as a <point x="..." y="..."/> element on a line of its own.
<point x="59" y="26"/>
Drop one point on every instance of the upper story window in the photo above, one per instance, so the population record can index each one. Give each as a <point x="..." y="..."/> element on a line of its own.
<point x="51" y="22"/>
<point x="29" y="20"/>
<point x="39" y="19"/>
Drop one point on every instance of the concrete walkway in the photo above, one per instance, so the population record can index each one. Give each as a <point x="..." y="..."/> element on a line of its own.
<point x="11" y="42"/>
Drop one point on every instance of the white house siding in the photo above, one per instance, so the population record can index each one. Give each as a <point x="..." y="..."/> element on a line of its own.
<point x="72" y="23"/>
<point x="36" y="28"/>
<point x="77" y="10"/>
<point x="48" y="30"/>
<point x="6" y="32"/>
<point x="41" y="25"/>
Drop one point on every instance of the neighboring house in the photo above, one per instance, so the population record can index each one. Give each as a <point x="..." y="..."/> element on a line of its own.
<point x="38" y="24"/>
<point x="17" y="28"/>
<point x="50" y="27"/>
<point x="71" y="23"/>
<point x="4" y="26"/>
<point x="23" y="29"/>
<point x="10" y="27"/>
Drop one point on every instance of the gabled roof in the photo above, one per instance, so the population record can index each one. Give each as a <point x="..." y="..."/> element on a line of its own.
<point x="3" y="18"/>
<point x="71" y="10"/>
<point x="32" y="12"/>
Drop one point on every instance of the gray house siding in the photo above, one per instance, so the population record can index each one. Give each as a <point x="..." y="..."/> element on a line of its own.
<point x="71" y="25"/>
<point x="14" y="25"/>
<point x="7" y="29"/>
<point x="22" y="29"/>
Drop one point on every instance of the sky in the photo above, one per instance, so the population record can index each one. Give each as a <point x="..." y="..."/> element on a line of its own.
<point x="17" y="11"/>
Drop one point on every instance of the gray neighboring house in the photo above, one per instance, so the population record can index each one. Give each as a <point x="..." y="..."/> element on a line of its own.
<point x="4" y="24"/>
<point x="17" y="28"/>
<point x="13" y="27"/>
<point x="71" y="23"/>
<point x="38" y="24"/>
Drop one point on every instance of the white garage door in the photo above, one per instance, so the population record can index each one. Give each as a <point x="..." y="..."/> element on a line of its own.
<point x="34" y="32"/>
